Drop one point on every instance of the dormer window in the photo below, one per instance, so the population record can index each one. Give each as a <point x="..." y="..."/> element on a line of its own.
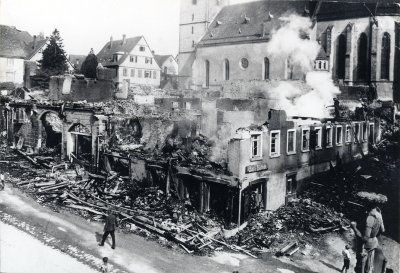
<point x="115" y="58"/>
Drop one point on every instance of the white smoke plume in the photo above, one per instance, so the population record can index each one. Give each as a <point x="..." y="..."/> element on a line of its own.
<point x="288" y="42"/>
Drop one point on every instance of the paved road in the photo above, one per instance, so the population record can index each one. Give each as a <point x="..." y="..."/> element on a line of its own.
<point x="79" y="238"/>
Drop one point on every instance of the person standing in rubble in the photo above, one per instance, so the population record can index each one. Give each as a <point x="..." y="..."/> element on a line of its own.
<point x="109" y="228"/>
<point x="367" y="241"/>
<point x="336" y="106"/>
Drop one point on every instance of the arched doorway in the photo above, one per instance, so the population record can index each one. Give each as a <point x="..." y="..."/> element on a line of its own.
<point x="50" y="135"/>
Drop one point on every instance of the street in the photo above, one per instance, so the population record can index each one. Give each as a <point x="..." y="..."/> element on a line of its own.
<point x="79" y="238"/>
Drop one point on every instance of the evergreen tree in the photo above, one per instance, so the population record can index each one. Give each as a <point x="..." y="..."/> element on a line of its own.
<point x="54" y="61"/>
<point x="89" y="65"/>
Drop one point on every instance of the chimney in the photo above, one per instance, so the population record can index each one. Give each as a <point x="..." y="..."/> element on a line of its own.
<point x="262" y="29"/>
<point x="123" y="39"/>
<point x="34" y="42"/>
<point x="111" y="42"/>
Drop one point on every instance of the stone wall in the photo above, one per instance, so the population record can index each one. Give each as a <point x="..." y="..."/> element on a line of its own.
<point x="68" y="88"/>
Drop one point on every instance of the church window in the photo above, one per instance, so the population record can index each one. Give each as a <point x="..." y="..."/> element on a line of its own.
<point x="244" y="63"/>
<point x="266" y="68"/>
<point x="341" y="57"/>
<point x="207" y="67"/>
<point x="226" y="70"/>
<point x="385" y="56"/>
<point x="362" y="57"/>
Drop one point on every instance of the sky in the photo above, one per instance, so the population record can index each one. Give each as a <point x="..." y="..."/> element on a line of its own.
<point x="86" y="24"/>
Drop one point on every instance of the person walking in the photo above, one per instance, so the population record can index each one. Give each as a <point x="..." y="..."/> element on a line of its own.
<point x="346" y="259"/>
<point x="109" y="228"/>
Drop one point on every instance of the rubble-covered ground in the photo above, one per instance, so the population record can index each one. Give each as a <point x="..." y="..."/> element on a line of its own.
<point x="326" y="205"/>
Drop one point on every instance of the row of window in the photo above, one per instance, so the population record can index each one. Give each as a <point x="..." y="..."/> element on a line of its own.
<point x="362" y="55"/>
<point x="243" y="64"/>
<point x="187" y="105"/>
<point x="134" y="59"/>
<point x="147" y="73"/>
<point x="312" y="138"/>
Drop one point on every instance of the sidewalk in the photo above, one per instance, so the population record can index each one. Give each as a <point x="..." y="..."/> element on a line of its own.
<point x="20" y="252"/>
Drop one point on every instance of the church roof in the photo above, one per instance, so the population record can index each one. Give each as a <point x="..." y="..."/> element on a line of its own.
<point x="346" y="10"/>
<point x="242" y="23"/>
<point x="105" y="56"/>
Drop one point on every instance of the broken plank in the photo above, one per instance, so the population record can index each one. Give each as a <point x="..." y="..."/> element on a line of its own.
<point x="206" y="244"/>
<point x="187" y="250"/>
<point x="85" y="208"/>
<point x="323" y="229"/>
<point x="293" y="251"/>
<point x="286" y="248"/>
<point x="44" y="184"/>
<point x="97" y="176"/>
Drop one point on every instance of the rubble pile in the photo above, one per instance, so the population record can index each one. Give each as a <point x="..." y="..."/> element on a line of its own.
<point x="299" y="221"/>
<point x="146" y="211"/>
<point x="197" y="152"/>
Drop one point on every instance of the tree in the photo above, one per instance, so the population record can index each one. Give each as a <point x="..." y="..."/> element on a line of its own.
<point x="54" y="61"/>
<point x="89" y="65"/>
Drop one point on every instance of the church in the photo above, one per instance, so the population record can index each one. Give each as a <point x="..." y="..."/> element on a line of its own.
<point x="359" y="43"/>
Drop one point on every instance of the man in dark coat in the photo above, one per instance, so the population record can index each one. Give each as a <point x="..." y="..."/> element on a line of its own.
<point x="109" y="228"/>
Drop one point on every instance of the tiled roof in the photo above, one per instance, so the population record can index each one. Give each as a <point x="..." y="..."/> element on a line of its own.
<point x="76" y="60"/>
<point x="160" y="59"/>
<point x="105" y="56"/>
<point x="13" y="42"/>
<point x="31" y="49"/>
<point x="243" y="22"/>
<point x="344" y="10"/>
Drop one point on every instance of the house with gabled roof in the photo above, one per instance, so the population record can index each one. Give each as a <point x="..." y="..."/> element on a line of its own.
<point x="167" y="63"/>
<point x="19" y="55"/>
<point x="133" y="61"/>
<point x="17" y="47"/>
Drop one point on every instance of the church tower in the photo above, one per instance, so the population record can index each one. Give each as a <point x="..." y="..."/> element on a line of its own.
<point x="195" y="17"/>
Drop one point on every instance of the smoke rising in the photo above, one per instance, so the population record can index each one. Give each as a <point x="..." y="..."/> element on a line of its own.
<point x="291" y="42"/>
